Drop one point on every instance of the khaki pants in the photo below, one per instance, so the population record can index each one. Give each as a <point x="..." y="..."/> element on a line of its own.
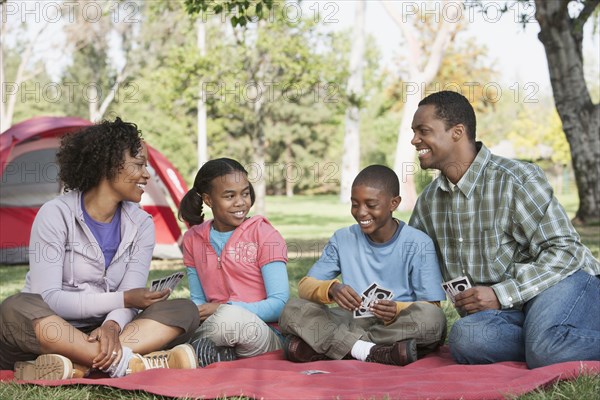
<point x="234" y="326"/>
<point x="333" y="331"/>
<point x="18" y="341"/>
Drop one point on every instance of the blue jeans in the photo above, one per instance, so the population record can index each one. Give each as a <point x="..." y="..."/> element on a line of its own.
<point x="560" y="324"/>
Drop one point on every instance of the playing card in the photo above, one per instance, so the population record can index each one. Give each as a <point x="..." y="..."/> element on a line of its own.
<point x="156" y="284"/>
<point x="460" y="284"/>
<point x="313" y="372"/>
<point x="169" y="282"/>
<point x="455" y="286"/>
<point x="370" y="291"/>
<point x="363" y="310"/>
<point x="373" y="293"/>
<point x="175" y="279"/>
<point x="382" y="294"/>
<point x="449" y="291"/>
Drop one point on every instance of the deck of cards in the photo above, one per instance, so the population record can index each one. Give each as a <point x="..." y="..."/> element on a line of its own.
<point x="369" y="295"/>
<point x="455" y="286"/>
<point x="168" y="282"/>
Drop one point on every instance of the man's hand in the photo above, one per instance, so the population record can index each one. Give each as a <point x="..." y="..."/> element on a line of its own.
<point x="476" y="299"/>
<point x="385" y="310"/>
<point x="207" y="309"/>
<point x="344" y="296"/>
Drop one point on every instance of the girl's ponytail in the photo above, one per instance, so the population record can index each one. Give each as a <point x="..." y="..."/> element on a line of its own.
<point x="190" y="209"/>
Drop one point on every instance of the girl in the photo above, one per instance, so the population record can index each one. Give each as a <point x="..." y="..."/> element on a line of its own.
<point x="236" y="266"/>
<point x="90" y="254"/>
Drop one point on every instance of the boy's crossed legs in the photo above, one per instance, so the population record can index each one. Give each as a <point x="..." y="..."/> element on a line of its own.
<point x="334" y="333"/>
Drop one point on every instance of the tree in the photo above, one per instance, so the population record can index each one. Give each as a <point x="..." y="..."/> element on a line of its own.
<point x="154" y="97"/>
<point x="561" y="33"/>
<point x="202" y="134"/>
<point x="10" y="87"/>
<point x="93" y="67"/>
<point x="351" y="151"/>
<point x="425" y="61"/>
<point x="258" y="77"/>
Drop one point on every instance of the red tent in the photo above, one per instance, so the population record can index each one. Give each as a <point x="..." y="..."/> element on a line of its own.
<point x="29" y="178"/>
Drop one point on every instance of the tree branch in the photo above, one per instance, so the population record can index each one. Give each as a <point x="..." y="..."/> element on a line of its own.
<point x="588" y="10"/>
<point x="438" y="49"/>
<point x="111" y="94"/>
<point x="406" y="29"/>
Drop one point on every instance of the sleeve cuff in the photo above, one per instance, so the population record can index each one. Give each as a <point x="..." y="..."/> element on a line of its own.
<point x="507" y="293"/>
<point x="315" y="290"/>
<point x="400" y="306"/>
<point x="122" y="316"/>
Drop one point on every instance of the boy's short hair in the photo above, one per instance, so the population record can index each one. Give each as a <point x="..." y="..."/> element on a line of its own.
<point x="380" y="177"/>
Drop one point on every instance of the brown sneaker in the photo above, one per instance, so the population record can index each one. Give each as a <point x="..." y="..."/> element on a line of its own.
<point x="47" y="367"/>
<point x="297" y="350"/>
<point x="179" y="357"/>
<point x="399" y="353"/>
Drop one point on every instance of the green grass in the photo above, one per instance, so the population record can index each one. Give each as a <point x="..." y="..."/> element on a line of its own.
<point x="306" y="223"/>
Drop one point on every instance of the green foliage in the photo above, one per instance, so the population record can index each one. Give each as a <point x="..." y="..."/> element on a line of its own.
<point x="268" y="89"/>
<point x="529" y="123"/>
<point x="166" y="121"/>
<point x="241" y="12"/>
<point x="542" y="141"/>
<point x="298" y="68"/>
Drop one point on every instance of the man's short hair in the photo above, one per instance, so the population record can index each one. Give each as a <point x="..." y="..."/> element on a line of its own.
<point x="380" y="177"/>
<point x="453" y="108"/>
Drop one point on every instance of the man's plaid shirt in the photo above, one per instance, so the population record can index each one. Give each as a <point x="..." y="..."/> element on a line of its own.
<point x="502" y="227"/>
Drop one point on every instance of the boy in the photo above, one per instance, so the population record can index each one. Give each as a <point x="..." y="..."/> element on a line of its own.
<point x="378" y="249"/>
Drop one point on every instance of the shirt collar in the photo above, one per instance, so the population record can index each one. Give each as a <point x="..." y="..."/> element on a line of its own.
<point x="473" y="175"/>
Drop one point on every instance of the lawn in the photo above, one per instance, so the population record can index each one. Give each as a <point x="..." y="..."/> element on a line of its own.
<point x="306" y="223"/>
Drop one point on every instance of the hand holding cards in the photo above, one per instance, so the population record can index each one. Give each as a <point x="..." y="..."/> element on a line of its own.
<point x="169" y="282"/>
<point x="455" y="286"/>
<point x="373" y="293"/>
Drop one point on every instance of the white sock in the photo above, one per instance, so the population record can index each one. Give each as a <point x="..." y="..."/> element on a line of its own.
<point x="119" y="370"/>
<point x="361" y="349"/>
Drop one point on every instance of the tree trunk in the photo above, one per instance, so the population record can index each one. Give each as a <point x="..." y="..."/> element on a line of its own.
<point x="562" y="38"/>
<point x="351" y="152"/>
<point x="421" y="71"/>
<point x="9" y="98"/>
<point x="404" y="163"/>
<point x="202" y="134"/>
<point x="93" y="109"/>
<point x="258" y="138"/>
<point x="289" y="159"/>
<point x="259" y="171"/>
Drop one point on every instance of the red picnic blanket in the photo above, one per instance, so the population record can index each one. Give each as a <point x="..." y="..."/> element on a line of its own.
<point x="269" y="376"/>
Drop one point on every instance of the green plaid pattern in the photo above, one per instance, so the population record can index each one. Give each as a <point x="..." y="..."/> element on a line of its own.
<point x="502" y="226"/>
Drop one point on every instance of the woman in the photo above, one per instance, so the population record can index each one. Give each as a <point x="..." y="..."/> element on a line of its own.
<point x="90" y="253"/>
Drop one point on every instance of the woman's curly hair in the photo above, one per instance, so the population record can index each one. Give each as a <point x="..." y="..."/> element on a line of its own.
<point x="96" y="152"/>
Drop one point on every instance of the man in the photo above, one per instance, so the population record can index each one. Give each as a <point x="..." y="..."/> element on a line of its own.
<point x="536" y="290"/>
